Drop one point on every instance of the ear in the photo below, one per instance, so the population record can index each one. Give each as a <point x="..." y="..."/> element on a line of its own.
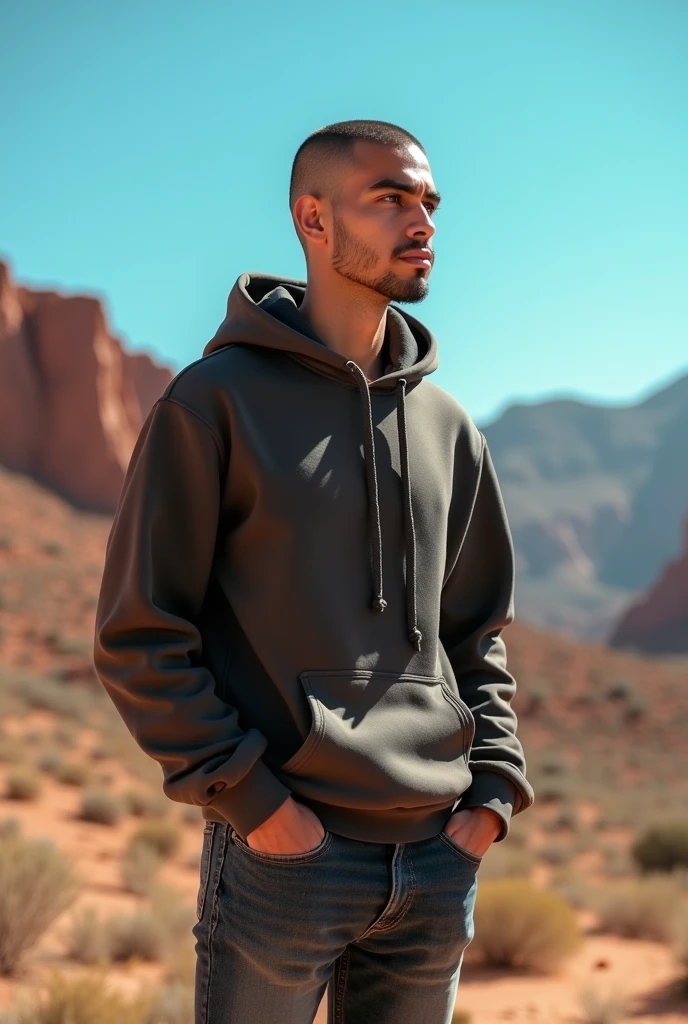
<point x="309" y="217"/>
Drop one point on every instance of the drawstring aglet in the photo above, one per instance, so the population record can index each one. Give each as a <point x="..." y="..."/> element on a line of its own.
<point x="415" y="636"/>
<point x="379" y="603"/>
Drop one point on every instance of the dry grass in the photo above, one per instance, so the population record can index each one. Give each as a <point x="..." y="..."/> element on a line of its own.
<point x="37" y="883"/>
<point x="87" y="998"/>
<point x="100" y="806"/>
<point x="139" y="869"/>
<point x="641" y="908"/>
<point x="22" y="784"/>
<point x="520" y="925"/>
<point x="163" y="837"/>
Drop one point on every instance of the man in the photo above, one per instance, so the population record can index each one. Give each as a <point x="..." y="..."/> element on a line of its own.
<point x="300" y="616"/>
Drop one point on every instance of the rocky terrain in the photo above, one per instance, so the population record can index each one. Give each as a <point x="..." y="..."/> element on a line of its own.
<point x="72" y="401"/>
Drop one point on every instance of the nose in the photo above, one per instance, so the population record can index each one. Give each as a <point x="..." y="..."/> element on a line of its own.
<point x="422" y="225"/>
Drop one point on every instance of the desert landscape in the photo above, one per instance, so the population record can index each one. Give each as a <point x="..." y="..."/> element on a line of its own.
<point x="582" y="913"/>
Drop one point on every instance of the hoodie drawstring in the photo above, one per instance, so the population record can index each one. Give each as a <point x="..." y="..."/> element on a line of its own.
<point x="379" y="603"/>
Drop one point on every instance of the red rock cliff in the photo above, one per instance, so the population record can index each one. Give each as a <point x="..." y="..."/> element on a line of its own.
<point x="72" y="401"/>
<point x="658" y="623"/>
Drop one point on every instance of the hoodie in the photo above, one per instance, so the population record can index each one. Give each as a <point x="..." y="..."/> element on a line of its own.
<point x="305" y="585"/>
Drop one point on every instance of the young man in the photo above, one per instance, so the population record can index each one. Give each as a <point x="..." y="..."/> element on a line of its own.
<point x="300" y="616"/>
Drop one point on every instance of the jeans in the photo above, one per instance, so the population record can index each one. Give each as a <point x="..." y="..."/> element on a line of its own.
<point x="381" y="926"/>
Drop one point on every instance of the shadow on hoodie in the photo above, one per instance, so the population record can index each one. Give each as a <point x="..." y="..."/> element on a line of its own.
<point x="305" y="585"/>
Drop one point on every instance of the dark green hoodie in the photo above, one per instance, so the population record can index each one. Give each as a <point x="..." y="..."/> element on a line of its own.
<point x="305" y="584"/>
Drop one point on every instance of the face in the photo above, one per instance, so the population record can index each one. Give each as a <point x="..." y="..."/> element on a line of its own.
<point x="385" y="212"/>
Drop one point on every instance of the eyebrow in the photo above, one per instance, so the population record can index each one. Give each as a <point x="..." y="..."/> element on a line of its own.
<point x="404" y="186"/>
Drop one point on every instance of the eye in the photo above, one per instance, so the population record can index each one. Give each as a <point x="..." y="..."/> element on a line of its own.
<point x="395" y="195"/>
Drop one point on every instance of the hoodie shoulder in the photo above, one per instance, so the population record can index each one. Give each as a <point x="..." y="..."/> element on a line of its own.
<point x="452" y="418"/>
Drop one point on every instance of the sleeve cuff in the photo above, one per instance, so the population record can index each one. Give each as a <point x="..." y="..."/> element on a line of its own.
<point x="494" y="791"/>
<point x="252" y="800"/>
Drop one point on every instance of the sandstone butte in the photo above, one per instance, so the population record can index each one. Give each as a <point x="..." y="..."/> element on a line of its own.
<point x="72" y="400"/>
<point x="658" y="621"/>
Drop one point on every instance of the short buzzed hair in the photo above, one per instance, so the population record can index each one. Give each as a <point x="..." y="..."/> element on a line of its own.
<point x="319" y="160"/>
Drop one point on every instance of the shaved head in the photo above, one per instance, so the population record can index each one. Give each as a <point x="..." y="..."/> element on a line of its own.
<point x="327" y="156"/>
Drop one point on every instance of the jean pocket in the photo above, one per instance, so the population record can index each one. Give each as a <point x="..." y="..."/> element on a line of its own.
<point x="381" y="739"/>
<point x="206" y="854"/>
<point x="460" y="851"/>
<point x="283" y="858"/>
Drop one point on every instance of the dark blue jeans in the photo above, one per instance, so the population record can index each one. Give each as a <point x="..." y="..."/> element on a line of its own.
<point x="385" y="925"/>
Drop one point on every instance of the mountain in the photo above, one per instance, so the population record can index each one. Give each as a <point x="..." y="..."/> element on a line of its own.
<point x="596" y="498"/>
<point x="658" y="622"/>
<point x="72" y="400"/>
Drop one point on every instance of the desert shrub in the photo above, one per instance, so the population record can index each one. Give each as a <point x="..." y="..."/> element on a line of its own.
<point x="73" y="773"/>
<point x="620" y="689"/>
<point x="142" y="804"/>
<point x="49" y="761"/>
<point x="139" y="868"/>
<point x="155" y="933"/>
<point x="137" y="936"/>
<point x="163" y="837"/>
<point x="101" y="752"/>
<point x="61" y="699"/>
<point x="520" y="925"/>
<point x="554" y="853"/>
<point x="85" y="999"/>
<point x="617" y="862"/>
<point x="37" y="883"/>
<point x="11" y="750"/>
<point x="567" y="817"/>
<point x="176" y="916"/>
<point x="22" y="784"/>
<point x="552" y="790"/>
<point x="88" y="941"/>
<point x="101" y="806"/>
<point x="662" y="847"/>
<point x="65" y="735"/>
<point x="640" y="908"/>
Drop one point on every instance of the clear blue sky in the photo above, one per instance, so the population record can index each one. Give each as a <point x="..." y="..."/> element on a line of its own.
<point x="146" y="151"/>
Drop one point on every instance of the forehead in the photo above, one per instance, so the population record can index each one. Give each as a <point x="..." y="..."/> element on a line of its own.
<point x="373" y="160"/>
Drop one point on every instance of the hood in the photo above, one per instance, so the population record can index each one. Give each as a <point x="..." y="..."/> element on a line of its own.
<point x="263" y="310"/>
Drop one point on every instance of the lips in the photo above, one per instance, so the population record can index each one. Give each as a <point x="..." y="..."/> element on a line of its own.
<point x="418" y="258"/>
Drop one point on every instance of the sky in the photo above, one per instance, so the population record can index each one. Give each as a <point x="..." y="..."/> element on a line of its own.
<point x="146" y="153"/>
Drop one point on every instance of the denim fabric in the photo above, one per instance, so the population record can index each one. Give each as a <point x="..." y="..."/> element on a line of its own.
<point x="382" y="926"/>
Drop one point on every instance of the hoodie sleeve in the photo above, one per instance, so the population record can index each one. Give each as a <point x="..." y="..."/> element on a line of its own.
<point x="147" y="646"/>
<point x="477" y="603"/>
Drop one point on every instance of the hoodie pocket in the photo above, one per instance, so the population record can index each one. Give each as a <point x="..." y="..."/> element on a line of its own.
<point x="382" y="740"/>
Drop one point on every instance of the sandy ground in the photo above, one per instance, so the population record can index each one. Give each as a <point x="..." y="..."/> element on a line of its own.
<point x="644" y="972"/>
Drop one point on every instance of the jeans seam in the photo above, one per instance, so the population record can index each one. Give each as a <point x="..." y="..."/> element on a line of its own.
<point x="341" y="985"/>
<point x="406" y="904"/>
<point x="214" y="914"/>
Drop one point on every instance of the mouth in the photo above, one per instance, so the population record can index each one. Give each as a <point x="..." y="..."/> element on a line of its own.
<point x="423" y="258"/>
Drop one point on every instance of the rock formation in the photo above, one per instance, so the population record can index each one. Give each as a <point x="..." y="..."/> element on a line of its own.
<point x="72" y="401"/>
<point x="658" y="622"/>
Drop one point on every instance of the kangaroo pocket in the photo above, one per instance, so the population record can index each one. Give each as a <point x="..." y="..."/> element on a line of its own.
<point x="382" y="740"/>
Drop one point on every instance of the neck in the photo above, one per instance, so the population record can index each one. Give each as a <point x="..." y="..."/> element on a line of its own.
<point x="350" y="320"/>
